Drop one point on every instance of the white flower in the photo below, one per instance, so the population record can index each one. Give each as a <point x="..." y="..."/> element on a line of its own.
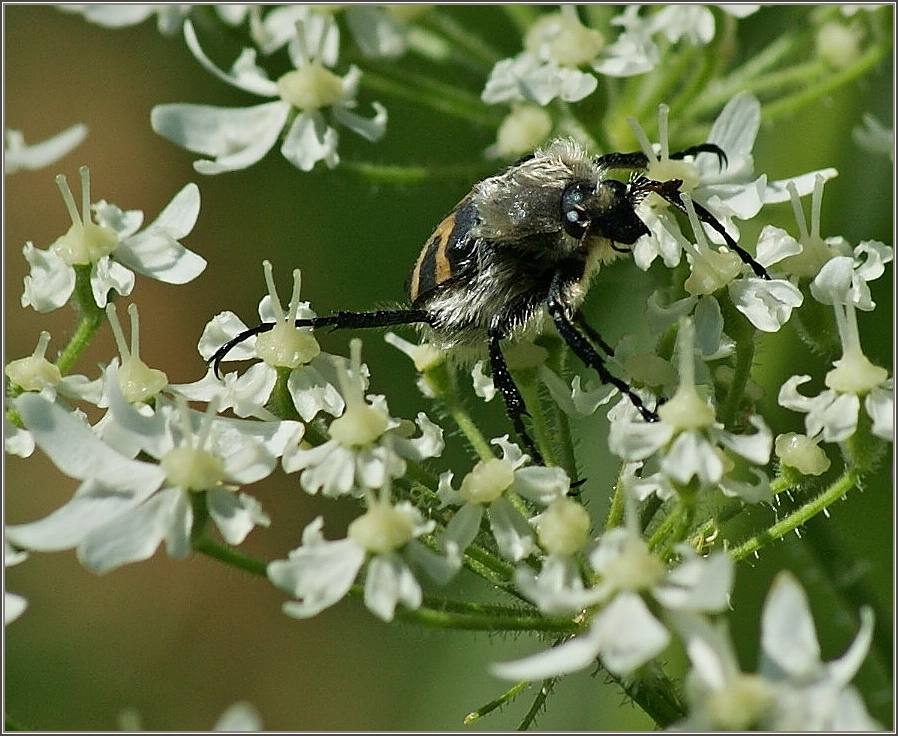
<point x="320" y="573"/>
<point x="36" y="373"/>
<point x="137" y="382"/>
<point x="843" y="278"/>
<point x="381" y="32"/>
<point x="524" y="129"/>
<point x="729" y="192"/>
<point x="110" y="244"/>
<point x="367" y="447"/>
<point x="488" y="487"/>
<point x="766" y="302"/>
<point x="125" y="508"/>
<point x="837" y="271"/>
<point x="425" y="356"/>
<point x="624" y="634"/>
<point x="238" y="137"/>
<point x="687" y="441"/>
<point x="792" y="691"/>
<point x="526" y="78"/>
<point x="285" y="346"/>
<point x="17" y="156"/>
<point x="833" y="414"/>
<point x="810" y="694"/>
<point x="633" y="52"/>
<point x="562" y="531"/>
<point x="169" y="17"/>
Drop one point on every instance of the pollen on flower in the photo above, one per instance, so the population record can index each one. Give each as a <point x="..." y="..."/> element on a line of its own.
<point x="138" y="382"/>
<point x="488" y="480"/>
<point x="382" y="529"/>
<point x="286" y="345"/>
<point x="310" y="87"/>
<point x="563" y="527"/>
<point x="84" y="242"/>
<point x="361" y="423"/>
<point x="34" y="372"/>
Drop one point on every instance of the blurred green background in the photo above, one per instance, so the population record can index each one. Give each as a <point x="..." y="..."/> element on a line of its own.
<point x="179" y="641"/>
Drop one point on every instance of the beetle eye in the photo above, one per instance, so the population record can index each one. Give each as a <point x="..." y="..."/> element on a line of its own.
<point x="574" y="215"/>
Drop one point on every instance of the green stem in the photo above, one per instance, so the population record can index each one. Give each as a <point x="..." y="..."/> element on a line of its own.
<point x="539" y="702"/>
<point x="442" y="382"/>
<point x="848" y="480"/>
<point x="488" y="566"/>
<point x="656" y="695"/>
<point x="230" y="556"/>
<point x="540" y="426"/>
<point x="471" y="617"/>
<point x="810" y="93"/>
<point x="504" y="698"/>
<point x="398" y="175"/>
<point x="618" y="503"/>
<point x="743" y="334"/>
<point x="202" y="542"/>
<point x="443" y="98"/>
<point x="673" y="529"/>
<point x="473" y="47"/>
<point x="91" y="319"/>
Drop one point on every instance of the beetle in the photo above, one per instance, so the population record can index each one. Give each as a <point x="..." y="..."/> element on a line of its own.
<point x="516" y="255"/>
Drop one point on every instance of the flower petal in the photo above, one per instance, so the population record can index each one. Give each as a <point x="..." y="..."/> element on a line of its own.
<point x="236" y="137"/>
<point x="108" y="275"/>
<point x="309" y="140"/>
<point x="318" y="573"/>
<point x="78" y="452"/>
<point x="156" y="252"/>
<point x="235" y="514"/>
<point x="17" y="156"/>
<point x="93" y="506"/>
<point x="135" y="535"/>
<point x="50" y="282"/>
<point x="389" y="581"/>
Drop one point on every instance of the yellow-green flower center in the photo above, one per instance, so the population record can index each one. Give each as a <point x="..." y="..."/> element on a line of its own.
<point x="192" y="468"/>
<point x="286" y="346"/>
<point x="310" y="87"/>
<point x="382" y="529"/>
<point x="361" y="424"/>
<point x="85" y="244"/>
<point x="488" y="480"/>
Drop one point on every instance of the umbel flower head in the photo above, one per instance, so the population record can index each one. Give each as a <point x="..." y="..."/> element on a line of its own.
<point x="125" y="508"/>
<point x="383" y="540"/>
<point x="108" y="245"/>
<point x="236" y="138"/>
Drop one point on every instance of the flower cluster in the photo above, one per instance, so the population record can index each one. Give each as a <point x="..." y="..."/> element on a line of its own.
<point x="616" y="534"/>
